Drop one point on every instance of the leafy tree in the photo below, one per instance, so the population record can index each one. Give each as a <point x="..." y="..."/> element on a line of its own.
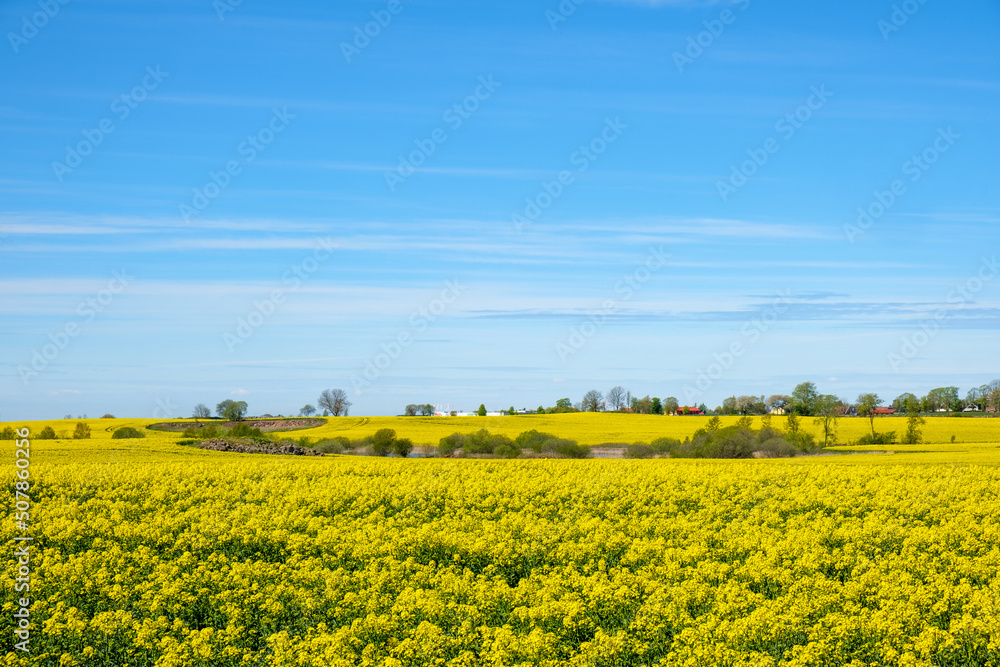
<point x="220" y="409"/>
<point x="411" y="410"/>
<point x="906" y="402"/>
<point x="729" y="406"/>
<point x="201" y="411"/>
<point x="382" y="441"/>
<point x="540" y="410"/>
<point x="827" y="411"/>
<point x="643" y="406"/>
<point x="564" y="403"/>
<point x="82" y="431"/>
<point x="792" y="423"/>
<point x="714" y="424"/>
<point x="126" y="432"/>
<point x="746" y="421"/>
<point x="47" y="433"/>
<point x="111" y="416"/>
<point x="235" y="411"/>
<point x="511" y="411"/>
<point x="592" y="401"/>
<point x="427" y="410"/>
<point x="8" y="433"/>
<point x="616" y="398"/>
<point x="745" y="404"/>
<point x="655" y="407"/>
<point x="942" y="397"/>
<point x="867" y="403"/>
<point x="913" y="424"/>
<point x="703" y="408"/>
<point x="670" y="405"/>
<point x="766" y="420"/>
<point x="804" y="398"/>
<point x="482" y="410"/>
<point x="402" y="447"/>
<point x="308" y="410"/>
<point x="777" y="402"/>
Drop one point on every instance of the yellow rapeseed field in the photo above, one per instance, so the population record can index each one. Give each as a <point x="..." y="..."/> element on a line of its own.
<point x="151" y="553"/>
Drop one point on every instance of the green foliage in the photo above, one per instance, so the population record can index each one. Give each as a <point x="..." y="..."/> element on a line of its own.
<point x="877" y="439"/>
<point x="382" y="441"/>
<point x="204" y="432"/>
<point x="402" y="447"/>
<point x="82" y="431"/>
<point x="792" y="423"/>
<point x="746" y="421"/>
<point x="336" y="445"/>
<point x="639" y="450"/>
<point x="47" y="433"/>
<point x="450" y="444"/>
<point x="731" y="442"/>
<point x="913" y="424"/>
<point x="482" y="410"/>
<point x="8" y="433"/>
<point x="245" y="431"/>
<point x="127" y="432"/>
<point x="714" y="424"/>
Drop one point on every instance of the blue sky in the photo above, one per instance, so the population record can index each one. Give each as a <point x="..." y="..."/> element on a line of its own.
<point x="499" y="203"/>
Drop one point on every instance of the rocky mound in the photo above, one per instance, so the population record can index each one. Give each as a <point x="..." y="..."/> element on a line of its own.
<point x="253" y="446"/>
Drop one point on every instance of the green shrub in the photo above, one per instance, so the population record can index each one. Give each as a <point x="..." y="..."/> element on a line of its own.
<point x="878" y="439"/>
<point x="47" y="433"/>
<point x="8" y="433"/>
<point x="532" y="440"/>
<point x="335" y="445"/>
<point x="199" y="431"/>
<point x="507" y="450"/>
<point x="402" y="447"/>
<point x="480" y="442"/>
<point x="663" y="446"/>
<point x="82" y="431"/>
<point x="382" y="441"/>
<point x="450" y="444"/>
<point x="127" y="432"/>
<point x="568" y="448"/>
<point x="242" y="430"/>
<point x="639" y="450"/>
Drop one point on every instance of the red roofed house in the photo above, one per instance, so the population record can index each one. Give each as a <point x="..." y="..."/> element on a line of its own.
<point x="689" y="411"/>
<point x="884" y="411"/>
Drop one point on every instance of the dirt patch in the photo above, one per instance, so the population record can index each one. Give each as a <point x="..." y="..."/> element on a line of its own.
<point x="251" y="446"/>
<point x="265" y="425"/>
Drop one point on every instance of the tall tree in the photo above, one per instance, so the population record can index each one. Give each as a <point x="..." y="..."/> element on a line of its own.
<point x="616" y="398"/>
<point x="656" y="407"/>
<point x="335" y="402"/>
<point x="220" y="409"/>
<point x="777" y="402"/>
<point x="308" y="410"/>
<point x="827" y="409"/>
<point x="906" y="402"/>
<point x="235" y="411"/>
<point x="804" y="398"/>
<point x="867" y="403"/>
<point x="482" y="410"/>
<point x="592" y="401"/>
<point x="201" y="411"/>
<point x="670" y="405"/>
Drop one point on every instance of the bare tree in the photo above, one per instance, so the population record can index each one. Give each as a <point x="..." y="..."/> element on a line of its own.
<point x="335" y="402"/>
<point x="616" y="398"/>
<point x="201" y="411"/>
<point x="591" y="401"/>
